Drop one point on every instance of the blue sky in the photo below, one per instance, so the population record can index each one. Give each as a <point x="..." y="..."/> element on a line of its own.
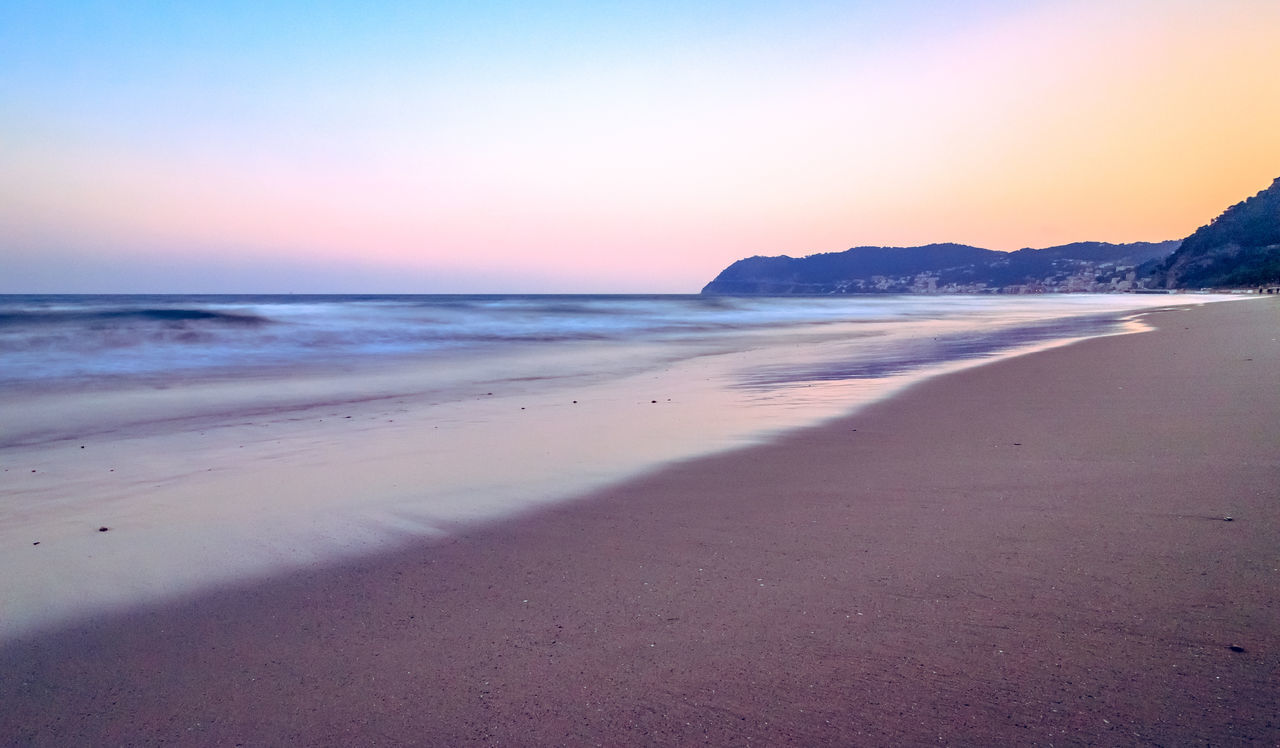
<point x="605" y="147"/>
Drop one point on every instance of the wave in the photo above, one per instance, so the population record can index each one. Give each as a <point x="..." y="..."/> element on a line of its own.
<point x="71" y="339"/>
<point x="47" y="317"/>
<point x="880" y="359"/>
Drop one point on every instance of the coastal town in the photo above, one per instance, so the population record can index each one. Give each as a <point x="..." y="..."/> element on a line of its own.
<point x="1070" y="277"/>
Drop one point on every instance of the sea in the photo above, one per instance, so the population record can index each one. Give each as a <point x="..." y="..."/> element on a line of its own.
<point x="224" y="438"/>
<point x="70" y="341"/>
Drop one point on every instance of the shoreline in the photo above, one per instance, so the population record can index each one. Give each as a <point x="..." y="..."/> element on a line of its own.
<point x="972" y="559"/>
<point x="211" y="482"/>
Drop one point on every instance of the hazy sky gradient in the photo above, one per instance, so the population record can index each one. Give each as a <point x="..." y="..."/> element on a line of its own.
<point x="605" y="147"/>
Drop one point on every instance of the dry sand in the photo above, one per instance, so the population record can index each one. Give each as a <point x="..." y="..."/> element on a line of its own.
<point x="1029" y="552"/>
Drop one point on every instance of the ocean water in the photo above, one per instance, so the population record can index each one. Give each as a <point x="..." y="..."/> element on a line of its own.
<point x="77" y="341"/>
<point x="221" y="438"/>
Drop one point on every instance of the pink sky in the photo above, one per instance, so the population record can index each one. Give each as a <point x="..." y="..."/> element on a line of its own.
<point x="529" y="151"/>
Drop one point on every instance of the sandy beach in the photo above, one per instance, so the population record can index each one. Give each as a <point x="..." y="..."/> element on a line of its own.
<point x="1035" y="551"/>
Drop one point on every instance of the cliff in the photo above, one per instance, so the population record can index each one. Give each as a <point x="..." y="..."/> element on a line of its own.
<point x="1239" y="248"/>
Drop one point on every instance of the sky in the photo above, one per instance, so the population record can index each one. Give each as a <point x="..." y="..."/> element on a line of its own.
<point x="605" y="147"/>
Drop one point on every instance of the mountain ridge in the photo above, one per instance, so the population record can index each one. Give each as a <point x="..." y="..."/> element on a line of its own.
<point x="937" y="268"/>
<point x="1239" y="248"/>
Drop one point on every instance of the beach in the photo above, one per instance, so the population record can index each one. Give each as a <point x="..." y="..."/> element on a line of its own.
<point x="1076" y="546"/>
<point x="221" y="439"/>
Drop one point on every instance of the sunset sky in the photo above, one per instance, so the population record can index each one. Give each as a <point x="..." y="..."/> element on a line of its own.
<point x="600" y="147"/>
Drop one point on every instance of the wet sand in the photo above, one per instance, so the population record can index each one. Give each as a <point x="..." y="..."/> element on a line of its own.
<point x="1033" y="551"/>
